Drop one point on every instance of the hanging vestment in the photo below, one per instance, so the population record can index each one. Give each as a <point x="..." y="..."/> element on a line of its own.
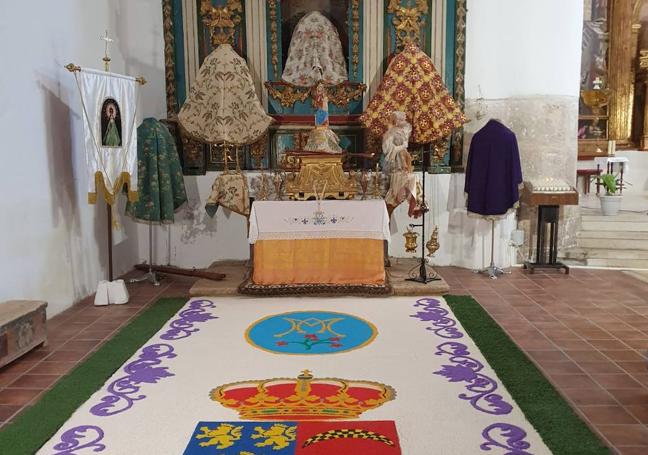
<point x="315" y="53"/>
<point x="161" y="186"/>
<point x="230" y="191"/>
<point x="412" y="85"/>
<point x="493" y="172"/>
<point x="222" y="105"/>
<point x="109" y="108"/>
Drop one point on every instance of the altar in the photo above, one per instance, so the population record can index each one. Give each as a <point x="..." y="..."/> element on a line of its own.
<point x="319" y="242"/>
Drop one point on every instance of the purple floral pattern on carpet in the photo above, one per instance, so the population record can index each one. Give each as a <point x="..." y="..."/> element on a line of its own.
<point x="183" y="326"/>
<point x="480" y="387"/>
<point x="123" y="392"/>
<point x="432" y="311"/>
<point x="73" y="440"/>
<point x="507" y="437"/>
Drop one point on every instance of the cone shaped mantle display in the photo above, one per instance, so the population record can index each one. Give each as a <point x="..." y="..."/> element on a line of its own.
<point x="412" y="85"/>
<point x="223" y="105"/>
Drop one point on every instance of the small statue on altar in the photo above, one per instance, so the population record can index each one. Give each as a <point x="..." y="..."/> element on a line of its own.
<point x="322" y="138"/>
<point x="403" y="183"/>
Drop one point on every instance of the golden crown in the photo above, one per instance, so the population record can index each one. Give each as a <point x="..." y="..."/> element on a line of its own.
<point x="302" y="398"/>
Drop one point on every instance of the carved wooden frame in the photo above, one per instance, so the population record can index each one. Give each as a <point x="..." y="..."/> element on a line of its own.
<point x="623" y="31"/>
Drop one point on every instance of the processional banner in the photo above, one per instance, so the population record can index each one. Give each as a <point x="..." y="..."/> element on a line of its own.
<point x="109" y="107"/>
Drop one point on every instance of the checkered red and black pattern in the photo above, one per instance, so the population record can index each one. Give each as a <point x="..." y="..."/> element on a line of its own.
<point x="345" y="433"/>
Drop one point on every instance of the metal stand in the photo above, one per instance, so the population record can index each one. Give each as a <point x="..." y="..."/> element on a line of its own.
<point x="547" y="214"/>
<point x="425" y="274"/>
<point x="492" y="270"/>
<point x="151" y="276"/>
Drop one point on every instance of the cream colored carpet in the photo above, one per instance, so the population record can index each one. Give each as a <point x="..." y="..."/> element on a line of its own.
<point x="401" y="362"/>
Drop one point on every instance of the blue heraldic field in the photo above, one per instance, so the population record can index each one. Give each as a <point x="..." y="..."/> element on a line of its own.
<point x="288" y="438"/>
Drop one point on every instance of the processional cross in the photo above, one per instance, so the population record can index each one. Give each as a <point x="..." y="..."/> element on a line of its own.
<point x="107" y="40"/>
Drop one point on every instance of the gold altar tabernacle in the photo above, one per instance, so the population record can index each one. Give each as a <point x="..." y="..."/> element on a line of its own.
<point x="320" y="176"/>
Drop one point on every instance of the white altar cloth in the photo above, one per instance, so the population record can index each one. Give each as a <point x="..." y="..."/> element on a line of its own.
<point x="603" y="161"/>
<point x="288" y="220"/>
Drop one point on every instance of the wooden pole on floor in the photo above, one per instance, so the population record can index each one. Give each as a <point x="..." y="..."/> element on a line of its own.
<point x="110" y="243"/>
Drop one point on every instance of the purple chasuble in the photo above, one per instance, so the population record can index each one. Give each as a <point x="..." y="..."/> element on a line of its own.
<point x="493" y="172"/>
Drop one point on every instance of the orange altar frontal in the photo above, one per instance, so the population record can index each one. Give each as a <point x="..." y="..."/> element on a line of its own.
<point x="325" y="242"/>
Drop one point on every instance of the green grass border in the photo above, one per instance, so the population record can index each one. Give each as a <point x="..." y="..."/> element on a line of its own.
<point x="37" y="424"/>
<point x="556" y="422"/>
<point x="558" y="425"/>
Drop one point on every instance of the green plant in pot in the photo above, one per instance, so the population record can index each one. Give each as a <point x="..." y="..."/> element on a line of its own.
<point x="611" y="200"/>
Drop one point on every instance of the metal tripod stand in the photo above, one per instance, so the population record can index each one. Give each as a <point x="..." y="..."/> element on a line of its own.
<point x="151" y="276"/>
<point x="492" y="270"/>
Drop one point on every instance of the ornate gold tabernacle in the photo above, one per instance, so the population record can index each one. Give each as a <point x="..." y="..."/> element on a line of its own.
<point x="320" y="176"/>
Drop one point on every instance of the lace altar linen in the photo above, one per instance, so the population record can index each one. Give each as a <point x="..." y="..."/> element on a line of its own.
<point x="315" y="53"/>
<point x="290" y="220"/>
<point x="319" y="242"/>
<point x="223" y="105"/>
<point x="412" y="85"/>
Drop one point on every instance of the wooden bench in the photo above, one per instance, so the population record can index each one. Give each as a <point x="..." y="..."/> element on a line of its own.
<point x="22" y="328"/>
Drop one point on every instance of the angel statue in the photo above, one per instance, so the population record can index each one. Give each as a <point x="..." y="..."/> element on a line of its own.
<point x="403" y="184"/>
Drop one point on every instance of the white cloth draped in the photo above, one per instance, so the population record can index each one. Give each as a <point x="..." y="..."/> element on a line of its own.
<point x="288" y="220"/>
<point x="112" y="163"/>
<point x="315" y="53"/>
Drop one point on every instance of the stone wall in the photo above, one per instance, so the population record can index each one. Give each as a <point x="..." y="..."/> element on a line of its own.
<point x="546" y="131"/>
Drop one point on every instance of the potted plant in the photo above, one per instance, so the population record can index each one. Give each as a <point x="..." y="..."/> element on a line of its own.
<point x="611" y="200"/>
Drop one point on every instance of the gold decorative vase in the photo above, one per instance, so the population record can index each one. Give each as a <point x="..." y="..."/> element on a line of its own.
<point x="410" y="241"/>
<point x="596" y="100"/>
<point x="433" y="245"/>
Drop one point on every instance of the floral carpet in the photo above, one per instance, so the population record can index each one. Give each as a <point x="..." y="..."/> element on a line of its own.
<point x="303" y="376"/>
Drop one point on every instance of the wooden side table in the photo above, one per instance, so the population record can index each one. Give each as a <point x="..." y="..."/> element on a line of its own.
<point x="587" y="174"/>
<point x="548" y="216"/>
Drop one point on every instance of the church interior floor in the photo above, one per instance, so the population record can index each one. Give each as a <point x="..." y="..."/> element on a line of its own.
<point x="587" y="332"/>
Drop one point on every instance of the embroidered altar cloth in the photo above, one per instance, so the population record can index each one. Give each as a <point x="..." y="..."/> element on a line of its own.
<point x="292" y="220"/>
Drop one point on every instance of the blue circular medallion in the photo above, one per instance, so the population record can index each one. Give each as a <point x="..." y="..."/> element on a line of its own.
<point x="310" y="332"/>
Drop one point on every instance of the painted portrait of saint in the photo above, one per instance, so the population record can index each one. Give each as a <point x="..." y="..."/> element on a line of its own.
<point x="111" y="128"/>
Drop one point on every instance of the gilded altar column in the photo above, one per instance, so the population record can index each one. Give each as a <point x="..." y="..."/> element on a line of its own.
<point x="643" y="66"/>
<point x="620" y="79"/>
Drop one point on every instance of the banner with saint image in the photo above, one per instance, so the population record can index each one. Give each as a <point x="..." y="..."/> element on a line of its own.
<point x="109" y="107"/>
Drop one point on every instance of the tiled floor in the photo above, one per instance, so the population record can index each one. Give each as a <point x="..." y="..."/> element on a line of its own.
<point x="72" y="336"/>
<point x="587" y="332"/>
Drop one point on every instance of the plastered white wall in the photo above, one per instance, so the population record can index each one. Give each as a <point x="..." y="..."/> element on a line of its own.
<point x="521" y="48"/>
<point x="52" y="243"/>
